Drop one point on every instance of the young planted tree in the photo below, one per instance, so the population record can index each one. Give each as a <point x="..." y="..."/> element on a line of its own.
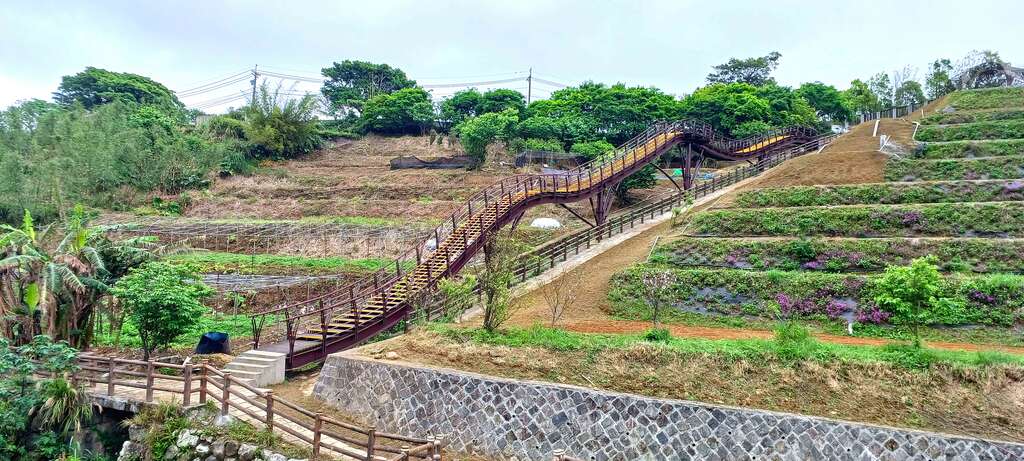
<point x="911" y="293"/>
<point x="496" y="282"/>
<point x="755" y="71"/>
<point x="657" y="288"/>
<point x="561" y="293"/>
<point x="163" y="301"/>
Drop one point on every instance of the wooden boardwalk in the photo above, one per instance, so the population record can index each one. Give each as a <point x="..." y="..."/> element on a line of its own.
<point x="133" y="383"/>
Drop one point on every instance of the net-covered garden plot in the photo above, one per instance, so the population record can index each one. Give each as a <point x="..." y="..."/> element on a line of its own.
<point x="1009" y="167"/>
<point x="970" y="149"/>
<point x="280" y="237"/>
<point x="883" y="193"/>
<point x="968" y="255"/>
<point x="992" y="219"/>
<point x="966" y="300"/>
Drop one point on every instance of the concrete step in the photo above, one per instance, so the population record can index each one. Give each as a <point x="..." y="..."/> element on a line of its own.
<point x="264" y="368"/>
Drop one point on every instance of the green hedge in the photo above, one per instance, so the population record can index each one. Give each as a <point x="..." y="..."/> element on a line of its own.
<point x="221" y="263"/>
<point x="972" y="117"/>
<point x="1002" y="219"/>
<point x="842" y="254"/>
<point x="968" y="149"/>
<point x="1009" y="167"/>
<point x="988" y="98"/>
<point x="887" y="193"/>
<point x="1005" y="129"/>
<point x="984" y="300"/>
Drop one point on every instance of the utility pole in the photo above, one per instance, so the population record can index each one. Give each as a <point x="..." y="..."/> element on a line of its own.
<point x="255" y="76"/>
<point x="529" y="86"/>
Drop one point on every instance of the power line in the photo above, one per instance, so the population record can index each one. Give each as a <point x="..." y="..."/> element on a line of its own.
<point x="208" y="86"/>
<point x="212" y="88"/>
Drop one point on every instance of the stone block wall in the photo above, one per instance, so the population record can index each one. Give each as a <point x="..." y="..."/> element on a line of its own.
<point x="524" y="420"/>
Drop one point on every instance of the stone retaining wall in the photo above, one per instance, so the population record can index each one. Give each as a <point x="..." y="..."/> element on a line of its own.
<point x="525" y="420"/>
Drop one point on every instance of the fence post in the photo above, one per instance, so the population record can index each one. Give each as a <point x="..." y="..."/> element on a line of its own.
<point x="202" y="383"/>
<point x="225" y="394"/>
<point x="317" y="425"/>
<point x="110" y="376"/>
<point x="371" y="440"/>
<point x="270" y="410"/>
<point x="405" y="453"/>
<point x="186" y="398"/>
<point x="149" y="380"/>
<point x="558" y="455"/>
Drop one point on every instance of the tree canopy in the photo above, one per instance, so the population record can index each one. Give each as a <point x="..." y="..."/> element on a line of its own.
<point x="742" y="109"/>
<point x="93" y="87"/>
<point x="755" y="71"/>
<point x="938" y="81"/>
<point x="827" y="101"/>
<point x="406" y="111"/>
<point x="350" y="84"/>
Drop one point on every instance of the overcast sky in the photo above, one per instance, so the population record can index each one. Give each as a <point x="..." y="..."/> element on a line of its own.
<point x="668" y="44"/>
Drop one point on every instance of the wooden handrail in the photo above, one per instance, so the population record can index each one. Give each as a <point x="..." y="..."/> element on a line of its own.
<point x="262" y="405"/>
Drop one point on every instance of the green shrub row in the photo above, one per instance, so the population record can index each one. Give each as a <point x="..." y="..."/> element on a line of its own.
<point x="842" y="254"/>
<point x="210" y="262"/>
<point x="968" y="149"/>
<point x="1004" y="129"/>
<point x="999" y="219"/>
<point x="962" y="300"/>
<point x="988" y="98"/>
<point x="886" y="193"/>
<point x="972" y="117"/>
<point x="1009" y="167"/>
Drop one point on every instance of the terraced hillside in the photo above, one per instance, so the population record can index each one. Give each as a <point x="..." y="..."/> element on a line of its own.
<point x="815" y="252"/>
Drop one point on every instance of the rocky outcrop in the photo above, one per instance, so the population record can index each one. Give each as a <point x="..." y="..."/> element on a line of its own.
<point x="191" y="445"/>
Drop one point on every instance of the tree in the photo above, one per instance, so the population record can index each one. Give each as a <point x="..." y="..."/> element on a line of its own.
<point x="861" y="98"/>
<point x="93" y="87"/>
<point x="495" y="282"/>
<point x="657" y="288"/>
<point x="278" y="126"/>
<point x="561" y="293"/>
<point x="755" y="71"/>
<point x="827" y="101"/>
<point x="911" y="292"/>
<point x="938" y="81"/>
<point x="908" y="93"/>
<point x="52" y="286"/>
<point x="163" y="301"/>
<point x="477" y="133"/>
<point x="406" y="111"/>
<point x="350" y="84"/>
<point x="500" y="100"/>
<point x="728" y="107"/>
<point x="882" y="87"/>
<point x="460" y="106"/>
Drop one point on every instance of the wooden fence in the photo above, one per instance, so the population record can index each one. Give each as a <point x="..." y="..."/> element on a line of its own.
<point x="199" y="383"/>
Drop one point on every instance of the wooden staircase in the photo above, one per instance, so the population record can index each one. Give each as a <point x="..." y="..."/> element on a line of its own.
<point x="352" y="314"/>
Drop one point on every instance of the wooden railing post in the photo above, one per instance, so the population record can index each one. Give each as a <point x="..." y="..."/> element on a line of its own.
<point x="110" y="376"/>
<point x="317" y="426"/>
<point x="225" y="394"/>
<point x="202" y="383"/>
<point x="186" y="392"/>
<point x="405" y="453"/>
<point x="371" y="440"/>
<point x="270" y="410"/>
<point x="149" y="380"/>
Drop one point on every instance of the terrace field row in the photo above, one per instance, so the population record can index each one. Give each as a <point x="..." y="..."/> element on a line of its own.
<point x="1008" y="167"/>
<point x="842" y="254"/>
<point x="970" y="149"/>
<point x="1001" y="129"/>
<point x="883" y="193"/>
<point x="987" y="219"/>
